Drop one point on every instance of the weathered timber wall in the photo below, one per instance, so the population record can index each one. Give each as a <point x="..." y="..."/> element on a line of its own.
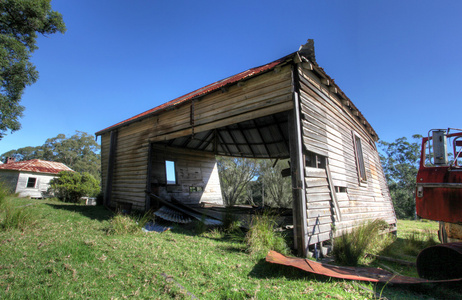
<point x="193" y="169"/>
<point x="130" y="164"/>
<point x="328" y="130"/>
<point x="263" y="95"/>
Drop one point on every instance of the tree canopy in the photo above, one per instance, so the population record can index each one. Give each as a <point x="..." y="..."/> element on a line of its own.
<point x="80" y="152"/>
<point x="400" y="161"/>
<point x="20" y="23"/>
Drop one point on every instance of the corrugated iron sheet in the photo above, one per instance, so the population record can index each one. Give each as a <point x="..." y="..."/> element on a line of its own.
<point x="351" y="273"/>
<point x="36" y="166"/>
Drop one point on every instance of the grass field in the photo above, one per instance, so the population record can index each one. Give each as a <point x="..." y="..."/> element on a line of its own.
<point x="67" y="253"/>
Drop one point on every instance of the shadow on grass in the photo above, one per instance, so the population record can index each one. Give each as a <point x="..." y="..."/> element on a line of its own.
<point x="98" y="212"/>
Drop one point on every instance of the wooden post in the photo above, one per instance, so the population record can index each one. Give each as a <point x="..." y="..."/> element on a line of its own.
<point x="110" y="169"/>
<point x="298" y="174"/>
<point x="147" y="205"/>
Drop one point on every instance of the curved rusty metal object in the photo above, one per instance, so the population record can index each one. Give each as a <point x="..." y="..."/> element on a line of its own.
<point x="440" y="262"/>
<point x="351" y="273"/>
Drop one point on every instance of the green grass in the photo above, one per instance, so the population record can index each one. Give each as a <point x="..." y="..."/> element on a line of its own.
<point x="68" y="253"/>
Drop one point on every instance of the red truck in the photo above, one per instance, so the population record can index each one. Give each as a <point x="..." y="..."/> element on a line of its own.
<point x="439" y="183"/>
<point x="438" y="197"/>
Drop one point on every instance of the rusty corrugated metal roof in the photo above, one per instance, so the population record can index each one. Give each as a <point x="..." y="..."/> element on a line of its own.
<point x="37" y="166"/>
<point x="202" y="91"/>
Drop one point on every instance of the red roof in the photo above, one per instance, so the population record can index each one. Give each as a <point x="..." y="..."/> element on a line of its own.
<point x="200" y="92"/>
<point x="36" y="165"/>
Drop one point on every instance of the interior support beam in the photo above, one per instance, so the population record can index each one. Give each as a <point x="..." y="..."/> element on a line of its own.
<point x="278" y="125"/>
<point x="206" y="141"/>
<point x="222" y="142"/>
<point x="234" y="140"/>
<point x="261" y="137"/>
<point x="245" y="139"/>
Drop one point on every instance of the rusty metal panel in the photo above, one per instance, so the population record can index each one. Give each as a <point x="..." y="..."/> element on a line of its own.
<point x="351" y="273"/>
<point x="36" y="166"/>
<point x="439" y="194"/>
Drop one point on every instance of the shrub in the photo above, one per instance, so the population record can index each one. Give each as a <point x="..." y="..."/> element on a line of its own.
<point x="71" y="186"/>
<point x="129" y="224"/>
<point x="350" y="247"/>
<point x="262" y="236"/>
<point x="123" y="224"/>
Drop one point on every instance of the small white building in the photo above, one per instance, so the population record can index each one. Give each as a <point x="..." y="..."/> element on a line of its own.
<point x="30" y="178"/>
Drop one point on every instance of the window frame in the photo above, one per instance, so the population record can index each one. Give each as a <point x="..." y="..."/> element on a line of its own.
<point x="359" y="158"/>
<point x="29" y="181"/>
<point x="167" y="172"/>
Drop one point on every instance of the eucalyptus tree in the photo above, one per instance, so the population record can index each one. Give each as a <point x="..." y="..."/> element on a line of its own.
<point x="20" y="23"/>
<point x="400" y="161"/>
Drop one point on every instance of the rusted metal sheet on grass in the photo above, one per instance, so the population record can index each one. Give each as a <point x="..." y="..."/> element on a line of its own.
<point x="351" y="273"/>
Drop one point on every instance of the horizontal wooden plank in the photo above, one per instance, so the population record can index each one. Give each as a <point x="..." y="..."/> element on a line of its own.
<point x="225" y="122"/>
<point x="315" y="172"/>
<point x="317" y="189"/>
<point x="315" y="182"/>
<point x="318" y="197"/>
<point x="317" y="238"/>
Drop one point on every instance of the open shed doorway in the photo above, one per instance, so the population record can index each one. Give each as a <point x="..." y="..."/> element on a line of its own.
<point x="186" y="169"/>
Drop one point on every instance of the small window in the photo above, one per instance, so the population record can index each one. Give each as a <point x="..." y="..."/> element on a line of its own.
<point x="340" y="189"/>
<point x="31" y="181"/>
<point x="195" y="189"/>
<point x="359" y="159"/>
<point x="170" y="171"/>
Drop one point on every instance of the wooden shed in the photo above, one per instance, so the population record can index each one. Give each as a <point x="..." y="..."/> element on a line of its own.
<point x="30" y="178"/>
<point x="288" y="108"/>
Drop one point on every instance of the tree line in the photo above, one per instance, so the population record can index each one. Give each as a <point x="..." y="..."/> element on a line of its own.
<point x="254" y="181"/>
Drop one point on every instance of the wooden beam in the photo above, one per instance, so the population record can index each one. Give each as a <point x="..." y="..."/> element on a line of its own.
<point x="245" y="138"/>
<point x="333" y="89"/>
<point x="298" y="182"/>
<point x="307" y="65"/>
<point x="332" y="192"/>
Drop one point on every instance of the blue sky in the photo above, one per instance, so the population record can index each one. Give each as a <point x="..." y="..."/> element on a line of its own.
<point x="399" y="61"/>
